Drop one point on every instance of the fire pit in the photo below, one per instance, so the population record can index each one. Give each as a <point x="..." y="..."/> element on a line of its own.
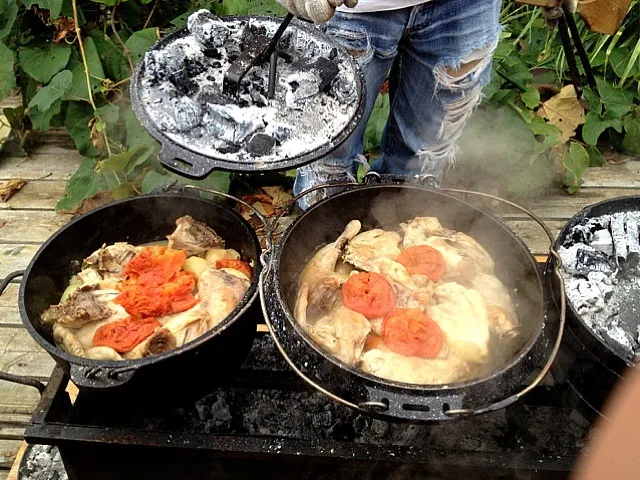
<point x="264" y="423"/>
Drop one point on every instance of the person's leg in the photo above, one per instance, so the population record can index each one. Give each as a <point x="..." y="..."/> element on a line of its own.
<point x="436" y="82"/>
<point x="372" y="39"/>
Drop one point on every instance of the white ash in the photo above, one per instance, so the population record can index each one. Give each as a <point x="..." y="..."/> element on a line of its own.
<point x="602" y="279"/>
<point x="43" y="462"/>
<point x="181" y="89"/>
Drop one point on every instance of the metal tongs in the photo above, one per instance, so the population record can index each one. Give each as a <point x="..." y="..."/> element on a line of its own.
<point x="255" y="53"/>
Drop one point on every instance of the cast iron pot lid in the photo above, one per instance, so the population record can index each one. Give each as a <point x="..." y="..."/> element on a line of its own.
<point x="176" y="92"/>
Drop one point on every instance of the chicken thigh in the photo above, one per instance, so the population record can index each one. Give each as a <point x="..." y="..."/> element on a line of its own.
<point x="220" y="293"/>
<point x="193" y="237"/>
<point x="368" y="246"/>
<point x="502" y="314"/>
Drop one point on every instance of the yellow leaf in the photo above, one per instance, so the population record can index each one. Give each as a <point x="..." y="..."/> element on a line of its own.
<point x="280" y="197"/>
<point x="564" y="111"/>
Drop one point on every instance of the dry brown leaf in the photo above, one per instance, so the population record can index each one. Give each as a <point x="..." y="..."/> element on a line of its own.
<point x="564" y="111"/>
<point x="64" y="27"/>
<point x="280" y="197"/>
<point x="10" y="187"/>
<point x="257" y="197"/>
<point x="96" y="137"/>
<point x="5" y="129"/>
<point x="90" y="203"/>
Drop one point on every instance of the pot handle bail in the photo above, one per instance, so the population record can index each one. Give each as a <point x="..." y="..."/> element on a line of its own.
<point x="10" y="377"/>
<point x="192" y="168"/>
<point x="563" y="310"/>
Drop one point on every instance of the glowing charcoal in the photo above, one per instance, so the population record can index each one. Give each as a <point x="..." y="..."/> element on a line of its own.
<point x="208" y="29"/>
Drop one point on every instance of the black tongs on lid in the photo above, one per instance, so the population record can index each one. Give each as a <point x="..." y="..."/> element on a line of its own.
<point x="255" y="53"/>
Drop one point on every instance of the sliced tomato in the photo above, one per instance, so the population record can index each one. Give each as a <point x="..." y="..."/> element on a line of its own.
<point x="369" y="293"/>
<point x="239" y="265"/>
<point x="124" y="335"/>
<point x="410" y="331"/>
<point x="423" y="260"/>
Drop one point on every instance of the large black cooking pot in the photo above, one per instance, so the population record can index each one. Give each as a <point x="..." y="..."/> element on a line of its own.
<point x="166" y="379"/>
<point x="590" y="366"/>
<point x="385" y="206"/>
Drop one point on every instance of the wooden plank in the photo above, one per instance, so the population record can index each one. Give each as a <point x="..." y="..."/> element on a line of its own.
<point x="36" y="195"/>
<point x="9" y="314"/>
<point x="13" y="474"/>
<point x="30" y="226"/>
<point x="59" y="166"/>
<point x="533" y="235"/>
<point x="21" y="355"/>
<point x="8" y="452"/>
<point x="15" y="257"/>
<point x="18" y="399"/>
<point x="625" y="175"/>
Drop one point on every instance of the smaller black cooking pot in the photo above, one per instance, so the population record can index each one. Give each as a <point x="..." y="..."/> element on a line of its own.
<point x="590" y="366"/>
<point x="161" y="380"/>
<point x="385" y="206"/>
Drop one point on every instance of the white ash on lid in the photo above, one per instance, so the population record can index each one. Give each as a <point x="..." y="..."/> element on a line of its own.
<point x="43" y="462"/>
<point x="602" y="279"/>
<point x="181" y="91"/>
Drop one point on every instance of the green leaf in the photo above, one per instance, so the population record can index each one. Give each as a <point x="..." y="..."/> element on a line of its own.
<point x="41" y="120"/>
<point x="631" y="142"/>
<point x="77" y="119"/>
<point x="140" y="42"/>
<point x="52" y="92"/>
<point x="153" y="180"/>
<point x="596" y="158"/>
<point x="54" y="6"/>
<point x="136" y="135"/>
<point x="595" y="104"/>
<point x="595" y="124"/>
<point x="576" y="161"/>
<point x="108" y="113"/>
<point x="8" y="15"/>
<point x="616" y="101"/>
<point x="516" y="69"/>
<point x="126" y="161"/>
<point x="42" y="63"/>
<point x="108" y="3"/>
<point x="85" y="183"/>
<point x="377" y="121"/>
<point x="503" y="97"/>
<point x="531" y="98"/>
<point x="112" y="56"/>
<point x="266" y="7"/>
<point x="124" y="190"/>
<point x="67" y="11"/>
<point x="230" y="7"/>
<point x="96" y="72"/>
<point x="7" y="77"/>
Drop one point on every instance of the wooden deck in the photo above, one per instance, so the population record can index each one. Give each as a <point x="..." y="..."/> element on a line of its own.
<point x="28" y="219"/>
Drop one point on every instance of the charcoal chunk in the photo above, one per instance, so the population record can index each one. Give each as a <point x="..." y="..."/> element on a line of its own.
<point x="323" y="67"/>
<point x="344" y="89"/>
<point x="593" y="261"/>
<point x="261" y="144"/>
<point x="279" y="131"/>
<point x="230" y="123"/>
<point x="194" y="66"/>
<point x="161" y="64"/>
<point x="208" y="29"/>
<point x="633" y="240"/>
<point x="603" y="242"/>
<point x="211" y="94"/>
<point x="187" y="113"/>
<point x="300" y="86"/>
<point x="619" y="236"/>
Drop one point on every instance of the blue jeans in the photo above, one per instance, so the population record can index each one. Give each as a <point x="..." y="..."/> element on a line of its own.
<point x="437" y="56"/>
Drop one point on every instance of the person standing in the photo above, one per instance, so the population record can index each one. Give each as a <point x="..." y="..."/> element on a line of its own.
<point x="437" y="56"/>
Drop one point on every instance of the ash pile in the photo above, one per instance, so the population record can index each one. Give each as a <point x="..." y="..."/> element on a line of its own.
<point x="181" y="88"/>
<point x="601" y="259"/>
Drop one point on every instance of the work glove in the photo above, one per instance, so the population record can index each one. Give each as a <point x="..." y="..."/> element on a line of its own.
<point x="318" y="11"/>
<point x="552" y="14"/>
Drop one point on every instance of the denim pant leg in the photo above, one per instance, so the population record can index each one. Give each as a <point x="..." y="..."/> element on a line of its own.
<point x="435" y="84"/>
<point x="372" y="39"/>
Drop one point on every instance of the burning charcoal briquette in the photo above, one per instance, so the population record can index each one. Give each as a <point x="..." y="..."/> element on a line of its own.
<point x="583" y="233"/>
<point x="208" y="29"/>
<point x="344" y="89"/>
<point x="300" y="86"/>
<point x="325" y="68"/>
<point x="593" y="261"/>
<point x="261" y="145"/>
<point x="187" y="113"/>
<point x="230" y="123"/>
<point x="619" y="236"/>
<point x="603" y="242"/>
<point x="633" y="240"/>
<point x="279" y="131"/>
<point x="211" y="94"/>
<point x="161" y="64"/>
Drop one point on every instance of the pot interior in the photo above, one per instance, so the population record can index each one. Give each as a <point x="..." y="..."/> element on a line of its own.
<point x="137" y="221"/>
<point x="386" y="206"/>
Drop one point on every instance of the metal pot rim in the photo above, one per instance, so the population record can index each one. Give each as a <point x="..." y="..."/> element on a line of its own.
<point x="240" y="309"/>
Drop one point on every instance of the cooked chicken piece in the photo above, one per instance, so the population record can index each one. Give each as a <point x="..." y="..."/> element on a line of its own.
<point x="368" y="246"/>
<point x="376" y="325"/>
<point x="323" y="282"/>
<point x="89" y="277"/>
<point x="384" y="363"/>
<point x="80" y="308"/>
<point x="193" y="237"/>
<point x="502" y="314"/>
<point x="342" y="333"/>
<point x="464" y="257"/>
<point x="86" y="333"/>
<point x="177" y="329"/>
<point x="302" y="302"/>
<point x="462" y="315"/>
<point x="65" y="339"/>
<point x="220" y="294"/>
<point x="102" y="353"/>
<point x="215" y="254"/>
<point x="418" y="230"/>
<point x="110" y="260"/>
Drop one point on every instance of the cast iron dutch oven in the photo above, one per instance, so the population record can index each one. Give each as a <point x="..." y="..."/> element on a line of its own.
<point x="175" y="376"/>
<point x="386" y="206"/>
<point x="590" y="366"/>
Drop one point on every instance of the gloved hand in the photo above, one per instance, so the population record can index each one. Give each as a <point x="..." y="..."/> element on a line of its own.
<point x="318" y="11"/>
